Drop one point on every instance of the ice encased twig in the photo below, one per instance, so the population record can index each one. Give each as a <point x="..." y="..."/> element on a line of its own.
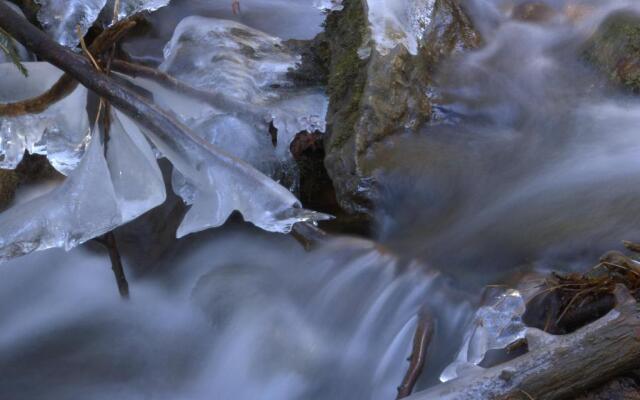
<point x="98" y="196"/>
<point x="59" y="132"/>
<point x="246" y="73"/>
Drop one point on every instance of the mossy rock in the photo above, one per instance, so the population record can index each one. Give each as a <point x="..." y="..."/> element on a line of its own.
<point x="615" y="49"/>
<point x="373" y="96"/>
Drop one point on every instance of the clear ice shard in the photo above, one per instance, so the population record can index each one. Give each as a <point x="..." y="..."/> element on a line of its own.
<point x="399" y="22"/>
<point x="137" y="180"/>
<point x="68" y="20"/>
<point x="495" y="327"/>
<point x="98" y="196"/>
<point x="245" y="71"/>
<point x="60" y="132"/>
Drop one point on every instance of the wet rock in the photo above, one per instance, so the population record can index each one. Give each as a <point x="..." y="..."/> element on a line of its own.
<point x="615" y="49"/>
<point x="8" y="186"/>
<point x="533" y="11"/>
<point x="378" y="91"/>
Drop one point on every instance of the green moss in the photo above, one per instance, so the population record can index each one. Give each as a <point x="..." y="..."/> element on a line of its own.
<point x="615" y="49"/>
<point x="346" y="31"/>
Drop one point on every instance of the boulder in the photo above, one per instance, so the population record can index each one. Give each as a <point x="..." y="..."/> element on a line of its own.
<point x="615" y="49"/>
<point x="380" y="83"/>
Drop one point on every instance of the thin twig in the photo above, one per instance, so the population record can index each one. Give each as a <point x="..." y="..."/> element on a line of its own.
<point x="109" y="242"/>
<point x="66" y="84"/>
<point x="421" y="341"/>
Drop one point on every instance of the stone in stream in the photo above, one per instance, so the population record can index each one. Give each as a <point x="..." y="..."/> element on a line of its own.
<point x="383" y="59"/>
<point x="615" y="49"/>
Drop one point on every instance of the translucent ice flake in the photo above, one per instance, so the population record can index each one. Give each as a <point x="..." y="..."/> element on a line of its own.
<point x="68" y="20"/>
<point x="399" y="22"/>
<point x="494" y="328"/>
<point x="59" y="132"/>
<point x="96" y="197"/>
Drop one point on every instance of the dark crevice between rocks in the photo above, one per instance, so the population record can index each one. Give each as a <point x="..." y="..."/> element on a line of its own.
<point x="316" y="188"/>
<point x="33" y="168"/>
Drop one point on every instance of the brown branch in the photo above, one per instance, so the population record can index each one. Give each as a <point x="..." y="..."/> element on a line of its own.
<point x="66" y="84"/>
<point x="421" y="342"/>
<point x="109" y="242"/>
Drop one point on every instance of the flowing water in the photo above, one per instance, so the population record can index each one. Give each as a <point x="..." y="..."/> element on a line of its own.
<point x="533" y="161"/>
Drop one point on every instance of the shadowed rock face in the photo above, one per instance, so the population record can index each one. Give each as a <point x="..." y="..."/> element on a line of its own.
<point x="375" y="93"/>
<point x="8" y="185"/>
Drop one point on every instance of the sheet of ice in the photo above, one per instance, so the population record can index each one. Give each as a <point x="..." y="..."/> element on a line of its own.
<point x="495" y="327"/>
<point x="67" y="20"/>
<point x="59" y="132"/>
<point x="399" y="22"/>
<point x="99" y="195"/>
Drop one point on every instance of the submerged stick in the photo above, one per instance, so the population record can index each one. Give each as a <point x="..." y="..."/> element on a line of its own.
<point x="421" y="342"/>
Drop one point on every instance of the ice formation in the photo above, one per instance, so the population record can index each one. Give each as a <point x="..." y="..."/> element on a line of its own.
<point x="495" y="327"/>
<point x="215" y="184"/>
<point x="68" y="20"/>
<point x="246" y="73"/>
<point x="399" y="22"/>
<point x="99" y="195"/>
<point x="58" y="132"/>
